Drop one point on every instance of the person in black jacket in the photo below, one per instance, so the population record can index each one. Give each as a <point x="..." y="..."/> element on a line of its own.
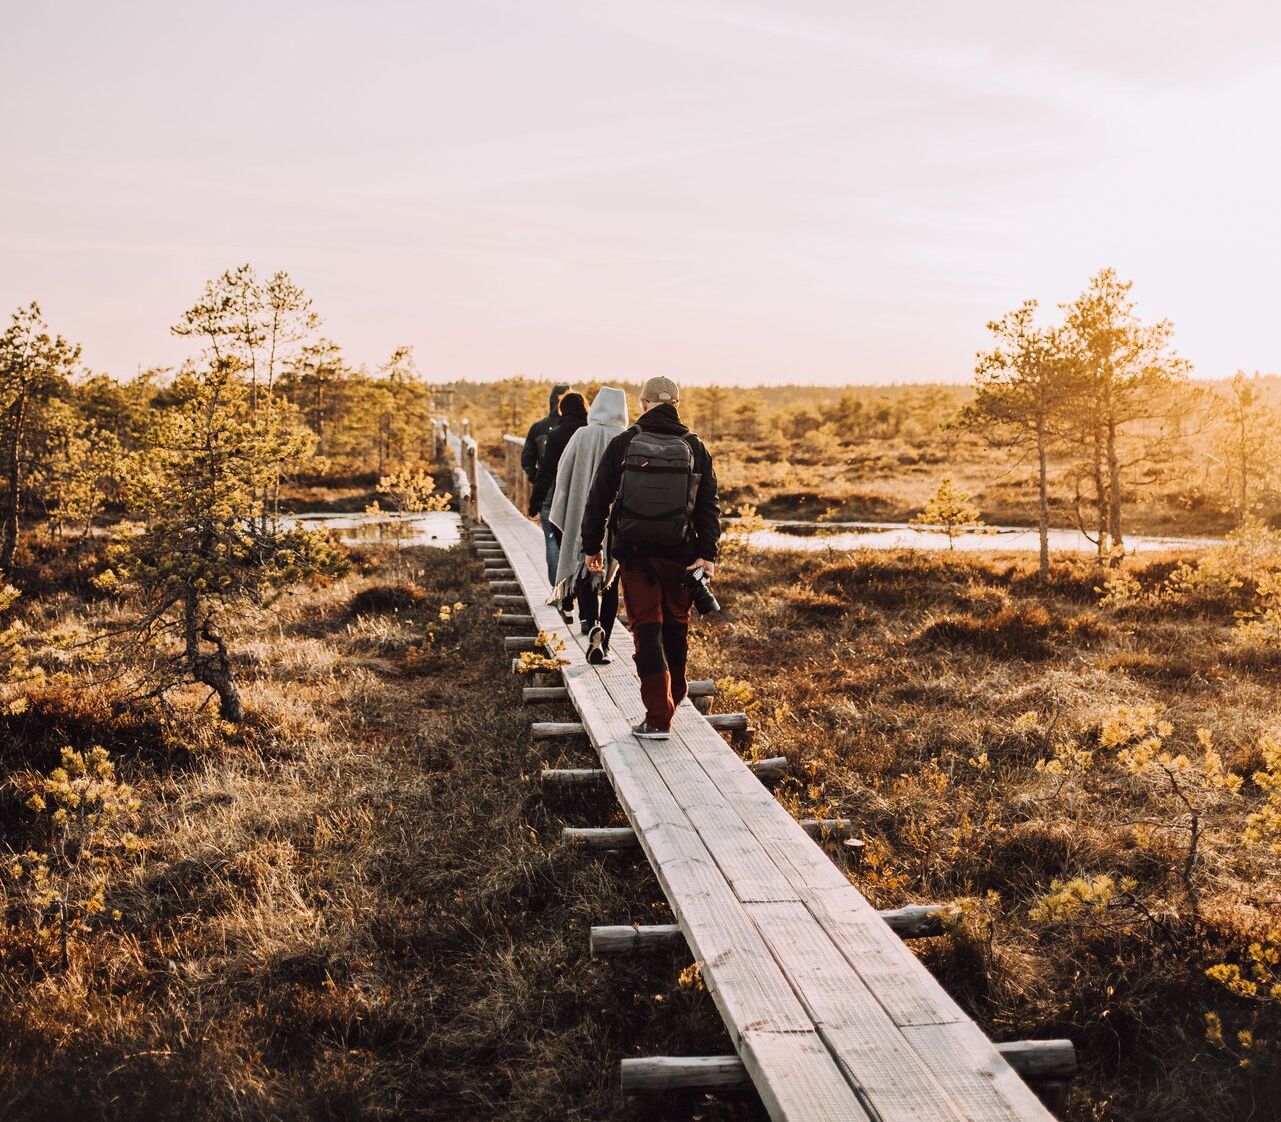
<point x="573" y="409"/>
<point x="656" y="592"/>
<point x="530" y="457"/>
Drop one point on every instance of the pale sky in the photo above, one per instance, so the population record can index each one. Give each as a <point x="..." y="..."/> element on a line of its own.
<point x="731" y="190"/>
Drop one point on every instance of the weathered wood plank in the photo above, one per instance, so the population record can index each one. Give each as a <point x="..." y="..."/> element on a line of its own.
<point x="791" y="1073"/>
<point x="977" y="1075"/>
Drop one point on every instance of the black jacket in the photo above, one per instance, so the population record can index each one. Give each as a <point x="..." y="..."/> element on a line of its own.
<point x="535" y="439"/>
<point x="545" y="479"/>
<point x="609" y="477"/>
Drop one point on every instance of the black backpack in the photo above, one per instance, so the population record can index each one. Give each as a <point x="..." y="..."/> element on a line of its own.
<point x="655" y="503"/>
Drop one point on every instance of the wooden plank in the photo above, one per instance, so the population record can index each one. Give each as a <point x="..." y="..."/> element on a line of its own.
<point x="980" y="1079"/>
<point x="808" y="1092"/>
<point x="888" y="1071"/>
<point x="737" y="969"/>
<point x="910" y="993"/>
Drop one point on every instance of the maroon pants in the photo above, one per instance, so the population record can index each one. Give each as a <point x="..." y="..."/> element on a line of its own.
<point x="658" y="613"/>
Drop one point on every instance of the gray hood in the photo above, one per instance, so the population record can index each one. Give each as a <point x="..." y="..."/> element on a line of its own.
<point x="609" y="408"/>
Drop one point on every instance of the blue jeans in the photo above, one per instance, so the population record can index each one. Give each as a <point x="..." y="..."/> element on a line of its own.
<point x="553" y="546"/>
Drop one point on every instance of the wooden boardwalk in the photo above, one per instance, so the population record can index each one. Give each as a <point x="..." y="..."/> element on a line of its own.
<point x="831" y="1013"/>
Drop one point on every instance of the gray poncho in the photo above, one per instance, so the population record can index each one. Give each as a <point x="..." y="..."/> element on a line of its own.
<point x="605" y="420"/>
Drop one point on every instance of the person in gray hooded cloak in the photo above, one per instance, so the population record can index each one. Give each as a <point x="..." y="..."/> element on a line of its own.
<point x="596" y="593"/>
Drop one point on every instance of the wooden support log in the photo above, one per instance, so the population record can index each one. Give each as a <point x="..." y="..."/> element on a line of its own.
<point x="497" y="562"/>
<point x="916" y="921"/>
<point x="499" y="574"/>
<point x="728" y="722"/>
<point x="545" y="730"/>
<point x="701" y="687"/>
<point x="560" y="693"/>
<point x="573" y="776"/>
<point x="1038" y="1060"/>
<point x="650" y="1075"/>
<point x="552" y="730"/>
<point x="770" y="769"/>
<point x="504" y="586"/>
<point x="912" y="922"/>
<point x="1034" y="1060"/>
<point x="520" y="642"/>
<point x="514" y="619"/>
<point x="634" y="939"/>
<point x="541" y="695"/>
<point x="601" y="838"/>
<point x="511" y="601"/>
<point x="624" y="837"/>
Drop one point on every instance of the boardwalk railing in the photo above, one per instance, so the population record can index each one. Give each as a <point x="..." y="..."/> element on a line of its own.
<point x="515" y="481"/>
<point x="831" y="1015"/>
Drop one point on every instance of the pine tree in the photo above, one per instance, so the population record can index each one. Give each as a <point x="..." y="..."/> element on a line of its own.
<point x="949" y="509"/>
<point x="1024" y="390"/>
<point x="1127" y="373"/>
<point x="206" y="552"/>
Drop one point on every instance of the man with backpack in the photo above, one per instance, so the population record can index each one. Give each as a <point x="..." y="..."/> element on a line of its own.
<point x="655" y="491"/>
<point x="531" y="457"/>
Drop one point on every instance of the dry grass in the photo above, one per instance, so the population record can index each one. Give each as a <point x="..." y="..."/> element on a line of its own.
<point x="355" y="907"/>
<point x="897" y="683"/>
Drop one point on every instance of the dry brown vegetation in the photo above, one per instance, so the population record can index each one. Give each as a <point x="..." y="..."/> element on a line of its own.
<point x="354" y="906"/>
<point x="972" y="723"/>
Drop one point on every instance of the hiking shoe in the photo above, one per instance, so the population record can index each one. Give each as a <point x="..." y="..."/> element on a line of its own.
<point x="646" y="731"/>
<point x="566" y="615"/>
<point x="597" y="652"/>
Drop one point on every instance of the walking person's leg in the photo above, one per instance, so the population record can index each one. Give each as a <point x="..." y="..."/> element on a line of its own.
<point x="608" y="610"/>
<point x="603" y="626"/>
<point x="550" y="541"/>
<point x="585" y="593"/>
<point x="643" y="595"/>
<point x="675" y="630"/>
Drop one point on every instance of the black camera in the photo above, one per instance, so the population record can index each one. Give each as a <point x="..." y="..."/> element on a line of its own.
<point x="699" y="585"/>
